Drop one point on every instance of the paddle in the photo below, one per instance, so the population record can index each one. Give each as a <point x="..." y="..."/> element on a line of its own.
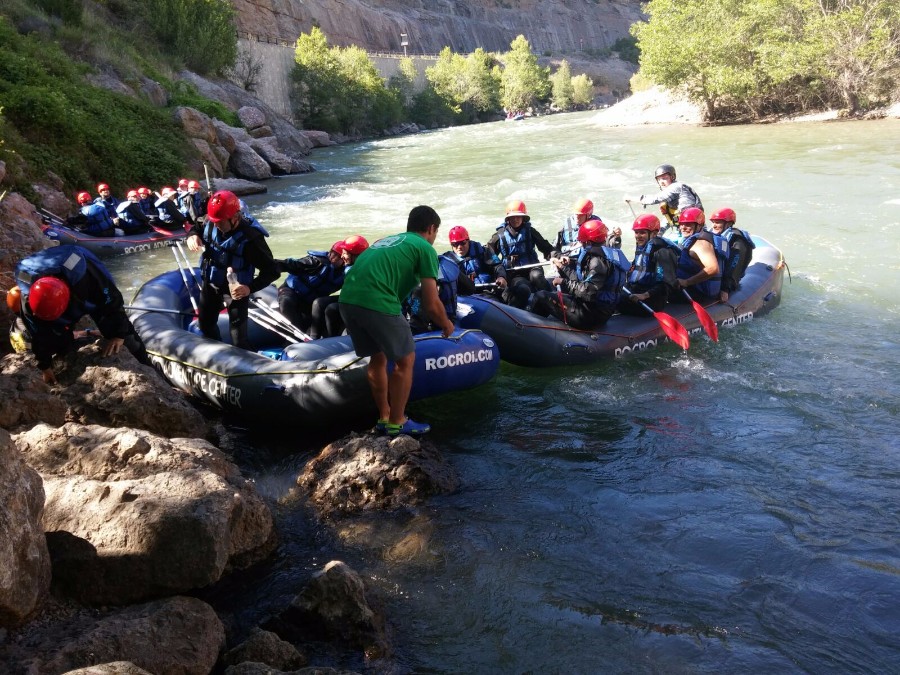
<point x="562" y="304"/>
<point x="669" y="324"/>
<point x="184" y="278"/>
<point x="158" y="309"/>
<point x="279" y="319"/>
<point x="528" y="267"/>
<point x="705" y="319"/>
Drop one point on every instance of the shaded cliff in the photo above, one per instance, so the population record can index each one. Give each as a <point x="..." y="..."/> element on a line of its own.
<point x="376" y="25"/>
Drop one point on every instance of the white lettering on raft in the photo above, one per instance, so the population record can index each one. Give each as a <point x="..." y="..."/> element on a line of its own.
<point x="461" y="359"/>
<point x="740" y="318"/>
<point x="636" y="347"/>
<point x="198" y="382"/>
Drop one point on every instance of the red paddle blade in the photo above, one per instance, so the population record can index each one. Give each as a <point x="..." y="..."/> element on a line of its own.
<point x="706" y="321"/>
<point x="673" y="329"/>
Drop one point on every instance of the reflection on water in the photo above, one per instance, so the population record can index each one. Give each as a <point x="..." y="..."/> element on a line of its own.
<point x="732" y="509"/>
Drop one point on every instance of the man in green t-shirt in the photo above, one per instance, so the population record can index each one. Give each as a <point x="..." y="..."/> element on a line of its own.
<point x="382" y="276"/>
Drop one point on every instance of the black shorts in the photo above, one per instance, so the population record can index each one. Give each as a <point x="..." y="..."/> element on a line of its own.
<point x="373" y="332"/>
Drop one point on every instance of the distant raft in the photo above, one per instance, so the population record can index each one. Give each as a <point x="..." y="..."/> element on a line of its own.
<point x="305" y="383"/>
<point x="526" y="339"/>
<point x="55" y="228"/>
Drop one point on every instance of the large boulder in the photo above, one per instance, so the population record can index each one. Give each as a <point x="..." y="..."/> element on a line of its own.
<point x="25" y="400"/>
<point x="246" y="163"/>
<point x="263" y="646"/>
<point x="20" y="236"/>
<point x="131" y="516"/>
<point x="24" y="560"/>
<point x="363" y="472"/>
<point x="175" y="636"/>
<point x="266" y="148"/>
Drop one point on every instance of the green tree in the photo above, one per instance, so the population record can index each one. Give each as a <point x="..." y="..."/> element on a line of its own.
<point x="317" y="79"/>
<point x="523" y="81"/>
<point x="860" y="44"/>
<point x="582" y="90"/>
<point x="562" y="92"/>
<point x="466" y="83"/>
<point x="404" y="81"/>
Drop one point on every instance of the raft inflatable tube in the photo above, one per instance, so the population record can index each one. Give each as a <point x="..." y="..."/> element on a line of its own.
<point x="310" y="382"/>
<point x="533" y="341"/>
<point x="127" y="244"/>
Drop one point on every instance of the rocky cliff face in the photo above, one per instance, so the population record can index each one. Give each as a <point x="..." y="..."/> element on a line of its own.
<point x="376" y="25"/>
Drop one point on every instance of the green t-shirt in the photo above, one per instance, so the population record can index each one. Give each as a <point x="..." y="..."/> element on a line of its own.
<point x="386" y="272"/>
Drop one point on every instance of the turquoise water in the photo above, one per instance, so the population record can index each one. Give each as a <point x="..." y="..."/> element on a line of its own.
<point x="731" y="509"/>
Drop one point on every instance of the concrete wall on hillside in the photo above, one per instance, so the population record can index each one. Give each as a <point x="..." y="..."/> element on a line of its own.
<point x="276" y="60"/>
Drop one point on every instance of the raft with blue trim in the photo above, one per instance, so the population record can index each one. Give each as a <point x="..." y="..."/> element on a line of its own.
<point x="127" y="244"/>
<point x="310" y="382"/>
<point x="526" y="339"/>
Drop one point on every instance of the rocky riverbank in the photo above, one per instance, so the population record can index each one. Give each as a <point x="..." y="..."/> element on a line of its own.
<point x="660" y="106"/>
<point x="120" y="507"/>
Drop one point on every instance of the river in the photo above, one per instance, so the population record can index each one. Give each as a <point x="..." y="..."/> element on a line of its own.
<point x="730" y="509"/>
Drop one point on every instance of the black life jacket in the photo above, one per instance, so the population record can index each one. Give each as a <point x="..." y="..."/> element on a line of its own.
<point x="224" y="251"/>
<point x="688" y="267"/>
<point x="324" y="281"/>
<point x="618" y="269"/>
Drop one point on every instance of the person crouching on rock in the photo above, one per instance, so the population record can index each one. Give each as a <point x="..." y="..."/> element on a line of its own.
<point x="230" y="240"/>
<point x="58" y="286"/>
<point x="589" y="283"/>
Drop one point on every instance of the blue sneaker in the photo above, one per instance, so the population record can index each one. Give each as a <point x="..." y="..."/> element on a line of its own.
<point x="409" y="428"/>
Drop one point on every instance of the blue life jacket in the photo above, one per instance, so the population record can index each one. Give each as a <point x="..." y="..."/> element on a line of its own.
<point x="568" y="236"/>
<point x="224" y="251"/>
<point x="640" y="275"/>
<point x="110" y="204"/>
<point x="618" y="269"/>
<point x="98" y="220"/>
<point x="728" y="235"/>
<point x="65" y="262"/>
<point x="147" y="205"/>
<point x="517" y="250"/>
<point x="472" y="265"/>
<point x="324" y="281"/>
<point x="688" y="267"/>
<point x="447" y="282"/>
<point x="125" y="210"/>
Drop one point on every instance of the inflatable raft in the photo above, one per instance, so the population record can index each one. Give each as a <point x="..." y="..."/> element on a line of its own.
<point x="310" y="382"/>
<point x="54" y="228"/>
<point x="529" y="340"/>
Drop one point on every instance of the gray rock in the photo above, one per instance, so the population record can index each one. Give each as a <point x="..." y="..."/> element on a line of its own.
<point x="245" y="162"/>
<point x="262" y="646"/>
<point x="251" y="117"/>
<point x="131" y="516"/>
<point x="279" y="163"/>
<point x="154" y="92"/>
<point x="114" y="668"/>
<point x="25" y="400"/>
<point x="24" y="559"/>
<point x="239" y="186"/>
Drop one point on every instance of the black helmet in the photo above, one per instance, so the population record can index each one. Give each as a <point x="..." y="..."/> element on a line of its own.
<point x="665" y="168"/>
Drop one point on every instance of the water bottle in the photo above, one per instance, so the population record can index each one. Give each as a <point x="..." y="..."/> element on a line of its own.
<point x="232" y="280"/>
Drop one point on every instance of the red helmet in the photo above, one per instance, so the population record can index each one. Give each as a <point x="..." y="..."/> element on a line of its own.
<point x="593" y="232"/>
<point x="516" y="208"/>
<point x="222" y="206"/>
<point x="725" y="214"/>
<point x="167" y="191"/>
<point x="14" y="299"/>
<point x="48" y="298"/>
<point x="355" y="244"/>
<point x="583" y="207"/>
<point x="83" y="198"/>
<point x="102" y="187"/>
<point x="193" y="185"/>
<point x="144" y="191"/>
<point x="692" y="215"/>
<point x="338" y="247"/>
<point x="183" y="183"/>
<point x="458" y="234"/>
<point x="131" y="193"/>
<point x="646" y="221"/>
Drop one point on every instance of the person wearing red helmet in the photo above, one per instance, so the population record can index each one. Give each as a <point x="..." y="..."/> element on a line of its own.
<point x="58" y="286"/>
<point x="333" y="324"/>
<point x="230" y="242"/>
<point x="567" y="238"/>
<point x="170" y="216"/>
<point x="307" y="291"/>
<point x="190" y="201"/>
<point x="514" y="244"/>
<point x="673" y="198"/>
<point x="370" y="304"/>
<point x="477" y="264"/>
<point x="740" y="250"/>
<point x="651" y="278"/>
<point x="93" y="217"/>
<point x="106" y="199"/>
<point x="589" y="282"/>
<point x="147" y="203"/>
<point x="132" y="219"/>
<point x="702" y="260"/>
